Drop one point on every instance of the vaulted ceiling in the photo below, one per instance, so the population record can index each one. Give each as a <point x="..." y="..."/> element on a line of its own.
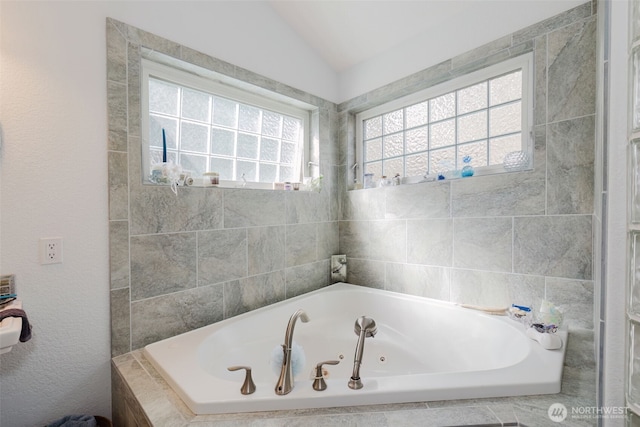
<point x="348" y="32"/>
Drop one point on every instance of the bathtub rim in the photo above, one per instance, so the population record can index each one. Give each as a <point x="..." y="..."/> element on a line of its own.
<point x="549" y="382"/>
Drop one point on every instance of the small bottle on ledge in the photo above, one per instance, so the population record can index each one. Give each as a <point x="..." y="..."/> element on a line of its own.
<point x="467" y="169"/>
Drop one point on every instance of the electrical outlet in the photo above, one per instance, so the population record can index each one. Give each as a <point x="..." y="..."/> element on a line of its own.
<point x="51" y="250"/>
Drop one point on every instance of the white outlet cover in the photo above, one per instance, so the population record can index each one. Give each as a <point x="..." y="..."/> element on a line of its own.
<point x="51" y="250"/>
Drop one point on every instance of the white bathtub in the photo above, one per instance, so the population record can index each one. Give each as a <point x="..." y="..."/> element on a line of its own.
<point x="424" y="350"/>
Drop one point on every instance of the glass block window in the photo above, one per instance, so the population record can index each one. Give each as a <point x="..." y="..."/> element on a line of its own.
<point x="209" y="128"/>
<point x="484" y="115"/>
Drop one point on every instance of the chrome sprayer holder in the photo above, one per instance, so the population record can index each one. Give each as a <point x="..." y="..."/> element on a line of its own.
<point x="338" y="268"/>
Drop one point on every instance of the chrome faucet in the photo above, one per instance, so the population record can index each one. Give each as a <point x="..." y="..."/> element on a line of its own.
<point x="364" y="327"/>
<point x="285" y="382"/>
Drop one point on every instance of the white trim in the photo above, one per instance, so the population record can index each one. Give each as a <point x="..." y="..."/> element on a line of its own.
<point x="186" y="79"/>
<point x="524" y="62"/>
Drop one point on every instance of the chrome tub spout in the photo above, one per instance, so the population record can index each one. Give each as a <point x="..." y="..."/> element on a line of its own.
<point x="364" y="327"/>
<point x="285" y="382"/>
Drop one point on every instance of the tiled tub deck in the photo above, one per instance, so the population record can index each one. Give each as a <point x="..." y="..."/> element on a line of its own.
<point x="141" y="397"/>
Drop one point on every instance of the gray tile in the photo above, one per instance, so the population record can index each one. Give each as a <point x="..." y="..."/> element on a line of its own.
<point x="134" y="109"/>
<point x="116" y="52"/>
<point x="354" y="238"/>
<point x="264" y="82"/>
<point x="540" y="153"/>
<point x="119" y="254"/>
<point x="572" y="89"/>
<point x="504" y="412"/>
<point x="540" y="84"/>
<point x="558" y="246"/>
<point x="494" y="58"/>
<point x="442" y="417"/>
<point x="154" y="319"/>
<point x="266" y="246"/>
<point x="354" y="420"/>
<point x="324" y="123"/>
<point x="118" y="392"/>
<point x="425" y="200"/>
<point x="580" y="352"/>
<point x="120" y="322"/>
<point x="156" y="209"/>
<point x="162" y="263"/>
<point x="483" y="243"/>
<point x="307" y="277"/>
<point x="388" y="240"/>
<point x="352" y="103"/>
<point x="305" y="207"/>
<point x="247" y="208"/>
<point x="520" y="193"/>
<point x="481" y="288"/>
<point x="550" y="24"/>
<point x="222" y="255"/>
<point x="129" y="380"/>
<point x="345" y="140"/>
<point x="430" y="241"/>
<point x="331" y="194"/>
<point x="481" y="52"/>
<point x="365" y="272"/>
<point x="634" y="17"/>
<point x="301" y="243"/>
<point x="393" y="276"/>
<point x="574" y="298"/>
<point x="521" y="48"/>
<point x="493" y="289"/>
<point x="420" y="280"/>
<point x="253" y="292"/>
<point x="363" y="204"/>
<point x="136" y="185"/>
<point x="570" y="166"/>
<point x="328" y="239"/>
<point x="117" y="115"/>
<point x="526" y="290"/>
<point x="429" y="77"/>
<point x="205" y="61"/>
<point x="153" y="42"/>
<point x="118" y="186"/>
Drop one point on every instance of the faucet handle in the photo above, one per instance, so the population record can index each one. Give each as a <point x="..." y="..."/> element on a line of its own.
<point x="318" y="383"/>
<point x="248" y="386"/>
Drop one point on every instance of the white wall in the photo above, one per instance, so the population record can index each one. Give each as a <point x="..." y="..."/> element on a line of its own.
<point x="486" y="20"/>
<point x="248" y="34"/>
<point x="53" y="184"/>
<point x="53" y="175"/>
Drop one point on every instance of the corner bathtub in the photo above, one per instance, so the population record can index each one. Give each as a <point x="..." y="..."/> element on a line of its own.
<point x="424" y="350"/>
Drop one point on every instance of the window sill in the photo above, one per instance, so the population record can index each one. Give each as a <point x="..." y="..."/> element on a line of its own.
<point x="448" y="176"/>
<point x="203" y="183"/>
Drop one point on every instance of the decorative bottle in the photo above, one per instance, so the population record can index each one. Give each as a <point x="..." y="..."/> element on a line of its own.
<point x="467" y="169"/>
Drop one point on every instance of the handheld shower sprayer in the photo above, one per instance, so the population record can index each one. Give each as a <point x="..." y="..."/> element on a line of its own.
<point x="364" y="327"/>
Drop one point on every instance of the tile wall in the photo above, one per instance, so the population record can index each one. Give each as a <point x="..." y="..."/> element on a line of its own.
<point x="491" y="240"/>
<point x="179" y="262"/>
